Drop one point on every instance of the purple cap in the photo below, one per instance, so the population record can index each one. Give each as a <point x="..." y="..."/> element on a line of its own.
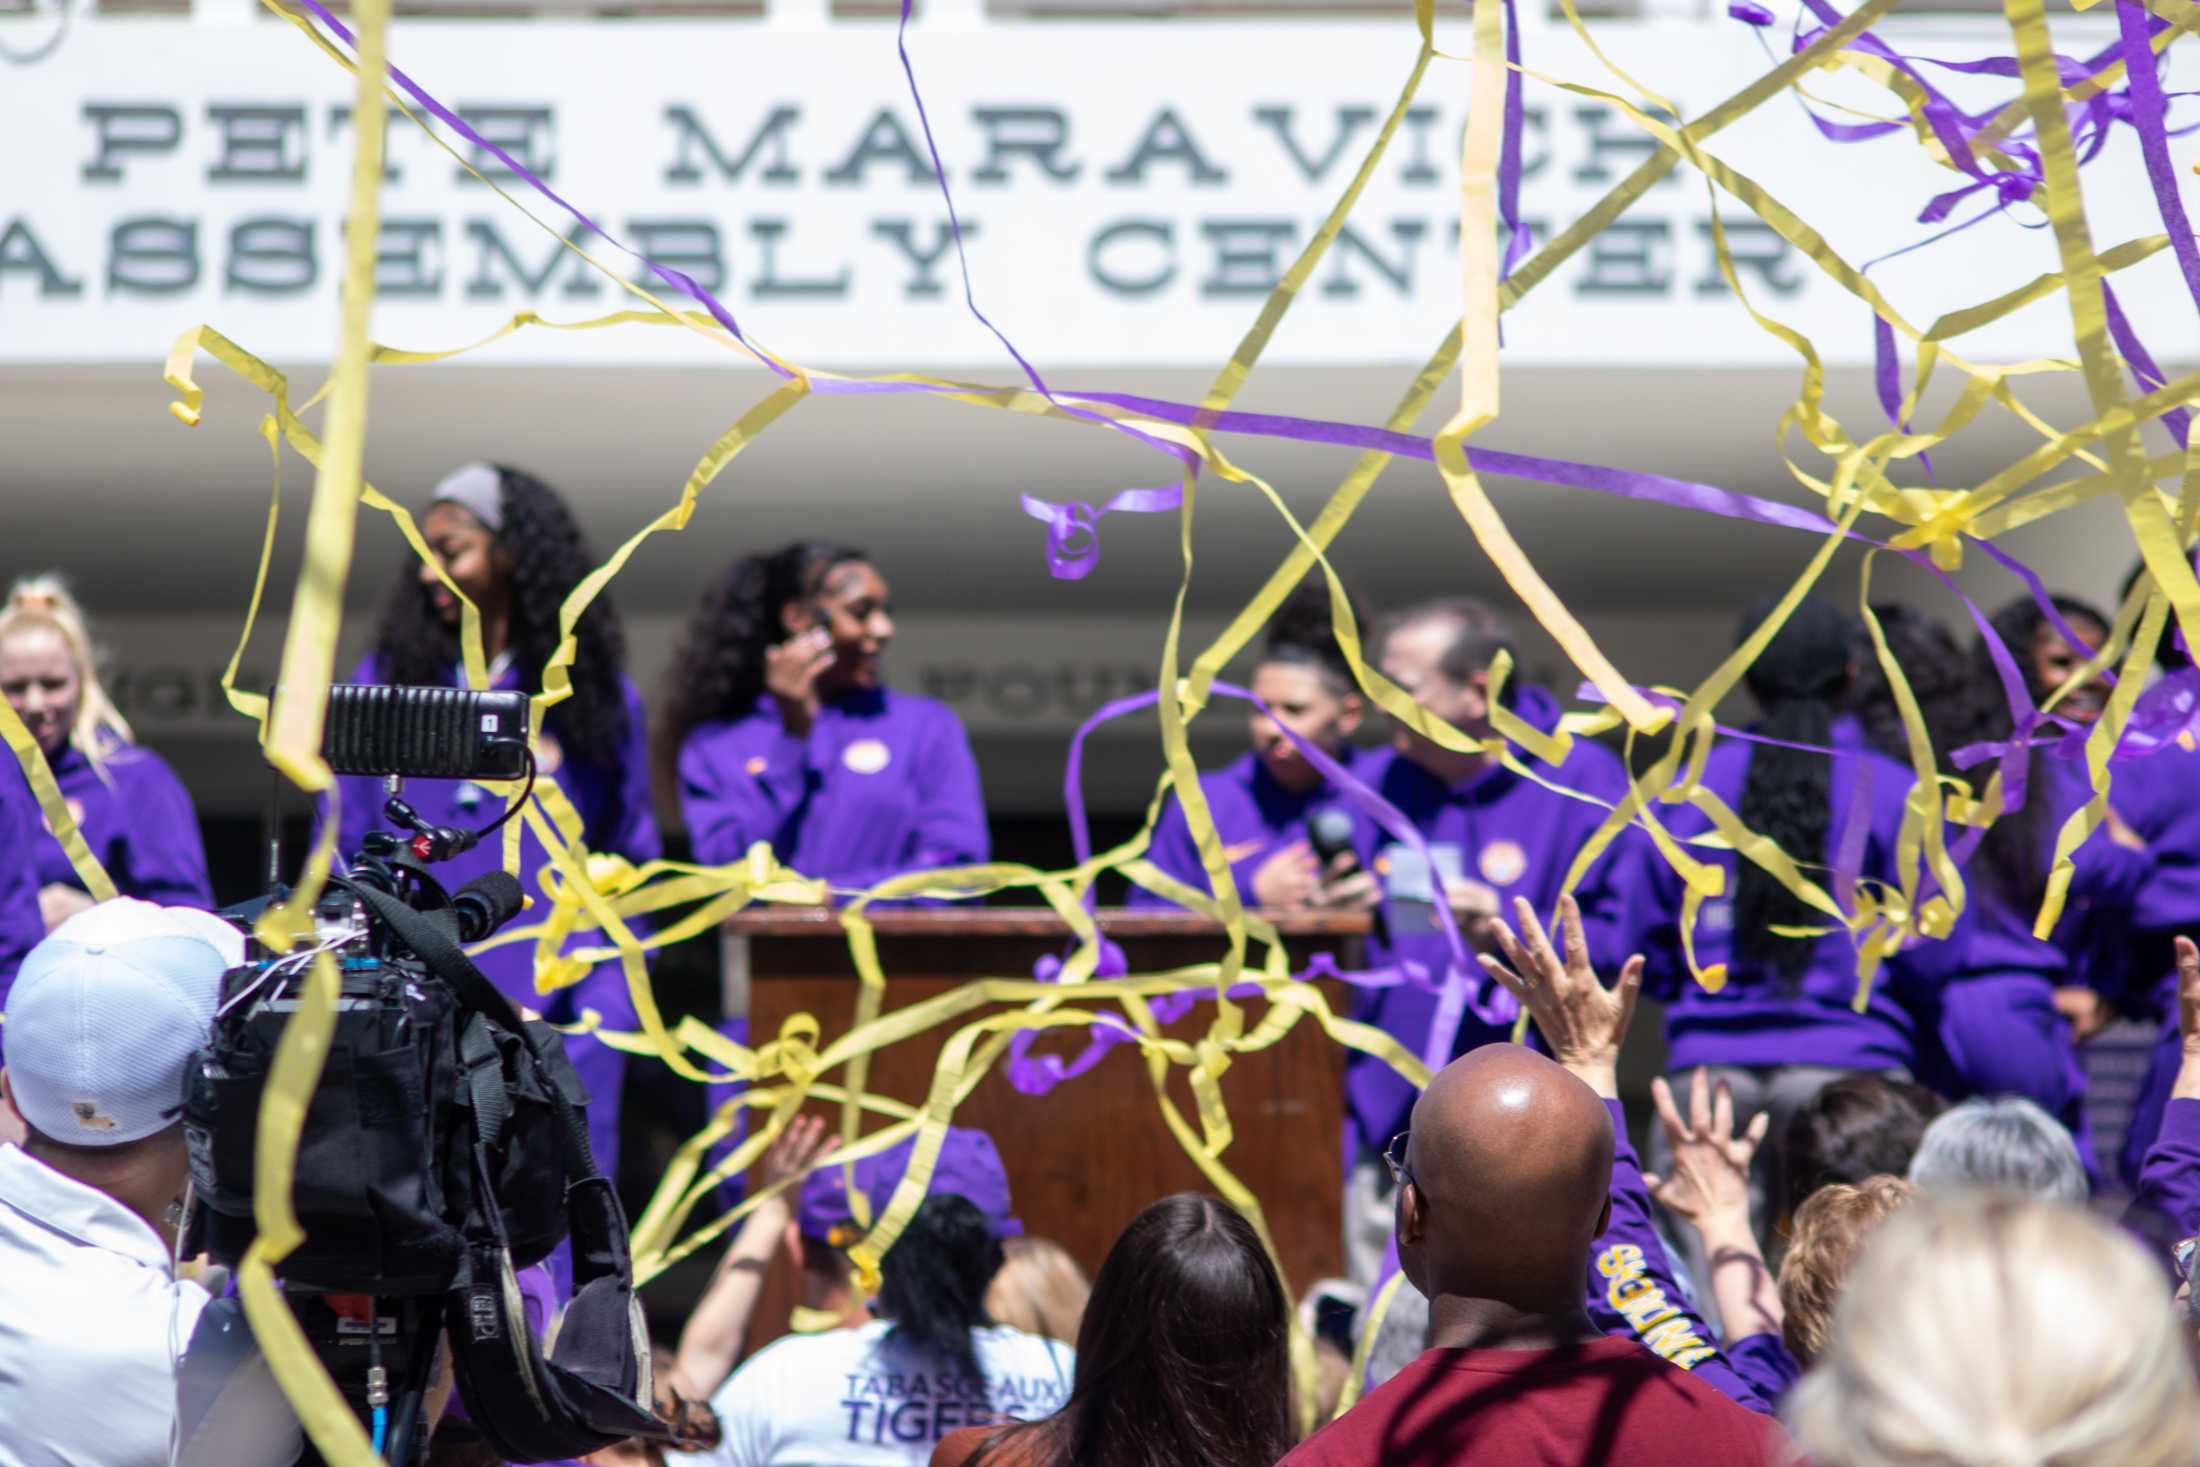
<point x="968" y="1166"/>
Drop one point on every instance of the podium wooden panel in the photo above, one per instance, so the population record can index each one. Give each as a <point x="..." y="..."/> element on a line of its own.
<point x="1089" y="1155"/>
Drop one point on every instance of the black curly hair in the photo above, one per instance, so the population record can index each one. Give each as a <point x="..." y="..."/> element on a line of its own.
<point x="2014" y="856"/>
<point x="1788" y="795"/>
<point x="549" y="558"/>
<point x="1941" y="674"/>
<point x="719" y="669"/>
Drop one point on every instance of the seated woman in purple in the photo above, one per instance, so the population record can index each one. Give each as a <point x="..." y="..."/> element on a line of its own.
<point x="781" y="729"/>
<point x="1785" y="1021"/>
<point x="1261" y="802"/>
<point x="509" y="542"/>
<point x="2007" y="1010"/>
<point x="133" y="811"/>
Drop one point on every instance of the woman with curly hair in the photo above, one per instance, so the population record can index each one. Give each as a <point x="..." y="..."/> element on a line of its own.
<point x="133" y="811"/>
<point x="781" y="728"/>
<point x="512" y="546"/>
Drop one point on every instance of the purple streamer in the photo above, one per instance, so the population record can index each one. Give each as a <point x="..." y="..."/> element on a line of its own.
<point x="1073" y="529"/>
<point x="2177" y="421"/>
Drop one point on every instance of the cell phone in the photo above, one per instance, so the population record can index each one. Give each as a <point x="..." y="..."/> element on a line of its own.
<point x="425" y="733"/>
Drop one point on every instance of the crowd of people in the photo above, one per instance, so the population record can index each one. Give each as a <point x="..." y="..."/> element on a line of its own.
<point x="1870" y="1227"/>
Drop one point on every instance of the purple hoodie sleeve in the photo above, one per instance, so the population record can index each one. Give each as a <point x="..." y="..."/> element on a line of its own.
<point x="1763" y="1360"/>
<point x="2165" y="1206"/>
<point x="951" y="828"/>
<point x="165" y="855"/>
<point x="21" y="926"/>
<point x="729" y="809"/>
<point x="1172" y="850"/>
<point x="1632" y="1292"/>
<point x="631" y="829"/>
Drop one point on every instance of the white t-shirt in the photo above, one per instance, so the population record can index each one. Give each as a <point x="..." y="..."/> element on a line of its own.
<point x="857" y="1398"/>
<point x="91" y="1323"/>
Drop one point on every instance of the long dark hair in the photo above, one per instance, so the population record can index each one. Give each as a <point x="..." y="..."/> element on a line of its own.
<point x="549" y="558"/>
<point x="933" y="1280"/>
<point x="2014" y="855"/>
<point x="1788" y="795"/>
<point x="718" y="671"/>
<point x="1941" y="674"/>
<point x="1182" y="1360"/>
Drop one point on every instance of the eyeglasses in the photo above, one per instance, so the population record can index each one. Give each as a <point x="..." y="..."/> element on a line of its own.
<point x="1394" y="1157"/>
<point x="2183" y="1254"/>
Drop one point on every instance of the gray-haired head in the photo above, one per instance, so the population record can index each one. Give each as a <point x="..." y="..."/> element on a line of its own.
<point x="2004" y="1145"/>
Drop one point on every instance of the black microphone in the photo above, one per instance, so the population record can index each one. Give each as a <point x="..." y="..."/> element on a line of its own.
<point x="1329" y="832"/>
<point x="486" y="903"/>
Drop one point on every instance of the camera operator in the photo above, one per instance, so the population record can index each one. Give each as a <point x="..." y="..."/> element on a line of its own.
<point x="101" y="1023"/>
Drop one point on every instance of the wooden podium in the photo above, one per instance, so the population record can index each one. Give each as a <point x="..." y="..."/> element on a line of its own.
<point x="1090" y="1154"/>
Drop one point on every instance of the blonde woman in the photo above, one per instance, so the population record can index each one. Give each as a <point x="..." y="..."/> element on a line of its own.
<point x="1986" y="1330"/>
<point x="133" y="811"/>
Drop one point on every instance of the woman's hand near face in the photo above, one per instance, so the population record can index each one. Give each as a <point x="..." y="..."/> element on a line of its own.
<point x="791" y="671"/>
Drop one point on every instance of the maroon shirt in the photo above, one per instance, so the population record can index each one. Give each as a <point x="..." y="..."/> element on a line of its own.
<point x="1608" y="1403"/>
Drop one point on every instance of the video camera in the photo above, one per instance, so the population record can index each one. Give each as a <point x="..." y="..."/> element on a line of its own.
<point x="445" y="1145"/>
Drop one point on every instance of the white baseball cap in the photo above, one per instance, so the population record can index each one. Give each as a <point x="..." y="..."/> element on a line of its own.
<point x="105" y="1015"/>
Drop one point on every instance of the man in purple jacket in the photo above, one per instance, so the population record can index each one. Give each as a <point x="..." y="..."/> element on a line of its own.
<point x="1492" y="835"/>
<point x="2160" y="796"/>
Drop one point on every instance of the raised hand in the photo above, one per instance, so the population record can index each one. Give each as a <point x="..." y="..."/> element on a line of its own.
<point x="1710" y="1176"/>
<point x="1583" y="1021"/>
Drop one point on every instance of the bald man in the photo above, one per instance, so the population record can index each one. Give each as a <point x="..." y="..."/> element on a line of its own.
<point x="1503" y="1186"/>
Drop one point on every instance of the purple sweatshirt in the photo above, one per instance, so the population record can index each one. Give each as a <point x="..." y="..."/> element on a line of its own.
<point x="1632" y="1292"/>
<point x="1756" y="1019"/>
<point x="1255" y="817"/>
<point x="1998" y="1022"/>
<point x="615" y="816"/>
<point x="138" y="821"/>
<point x="884" y="784"/>
<point x="21" y="926"/>
<point x="2160" y="797"/>
<point x="1505" y="831"/>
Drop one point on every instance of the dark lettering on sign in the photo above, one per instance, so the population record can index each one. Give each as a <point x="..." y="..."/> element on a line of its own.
<point x="686" y="245"/>
<point x="339" y="121"/>
<point x="153" y="254"/>
<point x="1102" y="260"/>
<point x="884" y="141"/>
<point x="580" y="281"/>
<point x="270" y="256"/>
<point x="690" y="136"/>
<point x="1419" y="169"/>
<point x="259" y="144"/>
<point x="1349" y="121"/>
<point x="401" y="258"/>
<point x="923" y="280"/>
<point x="21" y="251"/>
<point x="524" y="133"/>
<point x="1248" y="255"/>
<point x="769" y="284"/>
<point x="1610" y="135"/>
<point x="1025" y="692"/>
<point x="126" y="129"/>
<point x="1167" y="140"/>
<point x="1037" y="133"/>
<point x="1754" y="245"/>
<point x="1629" y="257"/>
<point x="1350" y="242"/>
